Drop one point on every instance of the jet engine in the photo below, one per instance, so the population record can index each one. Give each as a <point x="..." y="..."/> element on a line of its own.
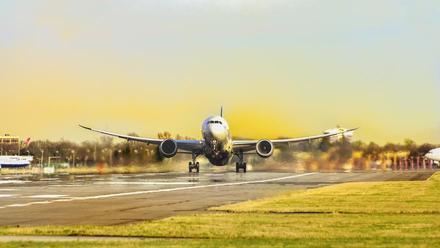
<point x="168" y="148"/>
<point x="264" y="148"/>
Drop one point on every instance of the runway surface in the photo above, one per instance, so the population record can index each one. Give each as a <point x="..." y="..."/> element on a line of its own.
<point x="119" y="199"/>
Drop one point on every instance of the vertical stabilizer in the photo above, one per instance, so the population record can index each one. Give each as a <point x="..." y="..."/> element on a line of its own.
<point x="221" y="111"/>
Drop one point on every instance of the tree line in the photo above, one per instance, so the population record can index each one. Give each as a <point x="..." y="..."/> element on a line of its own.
<point x="114" y="152"/>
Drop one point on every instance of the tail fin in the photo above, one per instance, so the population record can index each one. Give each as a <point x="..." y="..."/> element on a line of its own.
<point x="27" y="141"/>
<point x="221" y="111"/>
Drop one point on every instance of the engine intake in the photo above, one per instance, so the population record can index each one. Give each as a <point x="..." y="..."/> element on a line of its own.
<point x="168" y="148"/>
<point x="264" y="148"/>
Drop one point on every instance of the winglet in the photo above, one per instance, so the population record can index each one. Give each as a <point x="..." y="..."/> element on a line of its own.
<point x="88" y="128"/>
<point x="349" y="130"/>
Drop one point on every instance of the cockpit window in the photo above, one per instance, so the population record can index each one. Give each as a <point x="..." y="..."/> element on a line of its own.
<point x="213" y="122"/>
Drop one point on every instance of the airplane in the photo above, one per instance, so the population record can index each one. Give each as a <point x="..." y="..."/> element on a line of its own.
<point x="217" y="144"/>
<point x="434" y="155"/>
<point x="339" y="133"/>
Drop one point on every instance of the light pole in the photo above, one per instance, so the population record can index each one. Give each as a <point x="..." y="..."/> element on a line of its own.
<point x="86" y="158"/>
<point x="94" y="152"/>
<point x="73" y="158"/>
<point x="42" y="157"/>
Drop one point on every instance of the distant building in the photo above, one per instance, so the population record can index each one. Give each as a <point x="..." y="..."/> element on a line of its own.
<point x="9" y="140"/>
<point x="9" y="144"/>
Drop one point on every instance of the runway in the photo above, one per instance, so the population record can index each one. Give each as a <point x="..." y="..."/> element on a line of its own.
<point x="118" y="199"/>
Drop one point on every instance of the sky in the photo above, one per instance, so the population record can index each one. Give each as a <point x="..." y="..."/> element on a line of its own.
<point x="279" y="68"/>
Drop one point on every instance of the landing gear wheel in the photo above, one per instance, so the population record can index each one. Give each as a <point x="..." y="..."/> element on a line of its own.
<point x="239" y="166"/>
<point x="195" y="166"/>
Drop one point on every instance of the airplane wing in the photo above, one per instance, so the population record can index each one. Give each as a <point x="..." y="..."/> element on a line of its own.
<point x="185" y="145"/>
<point x="248" y="145"/>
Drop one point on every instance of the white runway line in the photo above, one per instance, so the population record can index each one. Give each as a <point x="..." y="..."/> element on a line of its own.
<point x="46" y="196"/>
<point x="66" y="185"/>
<point x="13" y="181"/>
<point x="7" y="189"/>
<point x="82" y="198"/>
<point x="144" y="183"/>
<point x="5" y="195"/>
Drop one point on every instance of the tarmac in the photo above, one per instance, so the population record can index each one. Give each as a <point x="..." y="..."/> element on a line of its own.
<point x="27" y="200"/>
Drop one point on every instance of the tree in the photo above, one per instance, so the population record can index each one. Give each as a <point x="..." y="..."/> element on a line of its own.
<point x="411" y="146"/>
<point x="425" y="148"/>
<point x="324" y="145"/>
<point x="373" y="150"/>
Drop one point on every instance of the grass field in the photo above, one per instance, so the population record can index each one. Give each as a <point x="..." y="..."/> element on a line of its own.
<point x="387" y="214"/>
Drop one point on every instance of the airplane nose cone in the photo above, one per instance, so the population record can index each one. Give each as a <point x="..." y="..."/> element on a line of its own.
<point x="218" y="132"/>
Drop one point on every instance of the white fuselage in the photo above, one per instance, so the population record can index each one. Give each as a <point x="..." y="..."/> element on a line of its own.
<point x="434" y="154"/>
<point x="218" y="141"/>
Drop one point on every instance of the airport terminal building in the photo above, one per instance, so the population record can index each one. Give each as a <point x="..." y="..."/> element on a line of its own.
<point x="9" y="144"/>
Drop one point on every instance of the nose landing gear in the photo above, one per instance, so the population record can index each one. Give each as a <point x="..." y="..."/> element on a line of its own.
<point x="195" y="166"/>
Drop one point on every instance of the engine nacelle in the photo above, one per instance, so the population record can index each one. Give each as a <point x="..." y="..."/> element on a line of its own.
<point x="168" y="148"/>
<point x="264" y="148"/>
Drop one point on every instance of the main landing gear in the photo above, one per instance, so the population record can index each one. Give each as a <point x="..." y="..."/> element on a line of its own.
<point x="240" y="164"/>
<point x="194" y="165"/>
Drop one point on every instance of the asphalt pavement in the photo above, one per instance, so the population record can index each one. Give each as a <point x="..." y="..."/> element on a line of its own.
<point x="28" y="200"/>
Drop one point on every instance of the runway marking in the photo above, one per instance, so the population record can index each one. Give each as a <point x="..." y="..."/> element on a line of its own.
<point x="7" y="189"/>
<point x="46" y="196"/>
<point x="66" y="185"/>
<point x="5" y="195"/>
<point x="49" y="179"/>
<point x="144" y="183"/>
<point x="13" y="181"/>
<point x="82" y="198"/>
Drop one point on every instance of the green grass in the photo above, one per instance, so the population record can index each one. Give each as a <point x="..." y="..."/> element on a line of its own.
<point x="273" y="243"/>
<point x="387" y="214"/>
<point x="365" y="197"/>
<point x="256" y="225"/>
